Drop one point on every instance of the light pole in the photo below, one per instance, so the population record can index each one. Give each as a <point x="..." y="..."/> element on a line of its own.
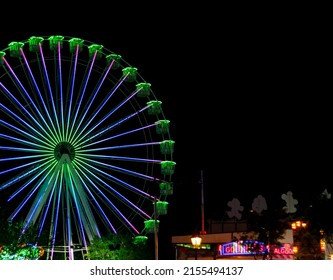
<point x="155" y="231"/>
<point x="203" y="231"/>
<point x="196" y="242"/>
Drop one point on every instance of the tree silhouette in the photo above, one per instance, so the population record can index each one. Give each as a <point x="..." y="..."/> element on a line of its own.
<point x="269" y="227"/>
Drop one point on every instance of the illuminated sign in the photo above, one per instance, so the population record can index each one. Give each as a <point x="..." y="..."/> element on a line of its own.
<point x="252" y="247"/>
<point x="286" y="249"/>
<point x="242" y="248"/>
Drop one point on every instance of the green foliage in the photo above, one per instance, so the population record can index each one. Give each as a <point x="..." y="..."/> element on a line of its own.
<point x="21" y="252"/>
<point x="12" y="233"/>
<point x="17" y="246"/>
<point x="119" y="247"/>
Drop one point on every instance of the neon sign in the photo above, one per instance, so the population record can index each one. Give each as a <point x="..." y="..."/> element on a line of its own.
<point x="242" y="248"/>
<point x="284" y="250"/>
<point x="252" y="247"/>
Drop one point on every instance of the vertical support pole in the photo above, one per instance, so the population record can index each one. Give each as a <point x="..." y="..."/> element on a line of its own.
<point x="155" y="230"/>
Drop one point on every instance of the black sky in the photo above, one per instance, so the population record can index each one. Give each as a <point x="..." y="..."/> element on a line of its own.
<point x="250" y="105"/>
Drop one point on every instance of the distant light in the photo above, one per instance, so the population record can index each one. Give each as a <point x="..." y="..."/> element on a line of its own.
<point x="322" y="245"/>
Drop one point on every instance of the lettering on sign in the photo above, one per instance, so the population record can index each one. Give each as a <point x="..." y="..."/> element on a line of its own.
<point x="251" y="247"/>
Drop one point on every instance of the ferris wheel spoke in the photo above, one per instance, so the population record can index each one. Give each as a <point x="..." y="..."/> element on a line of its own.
<point x="120" y="158"/>
<point x="36" y="107"/>
<point x="43" y="189"/>
<point x="89" y="167"/>
<point x="58" y="78"/>
<point x="14" y="117"/>
<point x="27" y="114"/>
<point x="82" y="92"/>
<point x="22" y="90"/>
<point x="41" y="98"/>
<point x="85" y="218"/>
<point x="115" y="193"/>
<point x="89" y="137"/>
<point x="109" y="204"/>
<point x="90" y="104"/>
<point x="108" y="138"/>
<point x="55" y="218"/>
<point x="96" y="203"/>
<point x="81" y="202"/>
<point x="27" y="99"/>
<point x="45" y="213"/>
<point x="101" y="106"/>
<point x="23" y="133"/>
<point x="48" y="89"/>
<point x="120" y="147"/>
<point x="93" y="116"/>
<point x="124" y="170"/>
<point x="29" y="183"/>
<point x="72" y="79"/>
<point x="34" y="166"/>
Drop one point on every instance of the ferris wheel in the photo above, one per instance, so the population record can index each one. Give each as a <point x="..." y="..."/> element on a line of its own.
<point x="85" y="146"/>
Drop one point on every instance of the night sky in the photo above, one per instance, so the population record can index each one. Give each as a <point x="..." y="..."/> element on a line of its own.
<point x="249" y="106"/>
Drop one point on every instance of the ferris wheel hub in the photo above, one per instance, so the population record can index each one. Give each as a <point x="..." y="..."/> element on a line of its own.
<point x="64" y="148"/>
